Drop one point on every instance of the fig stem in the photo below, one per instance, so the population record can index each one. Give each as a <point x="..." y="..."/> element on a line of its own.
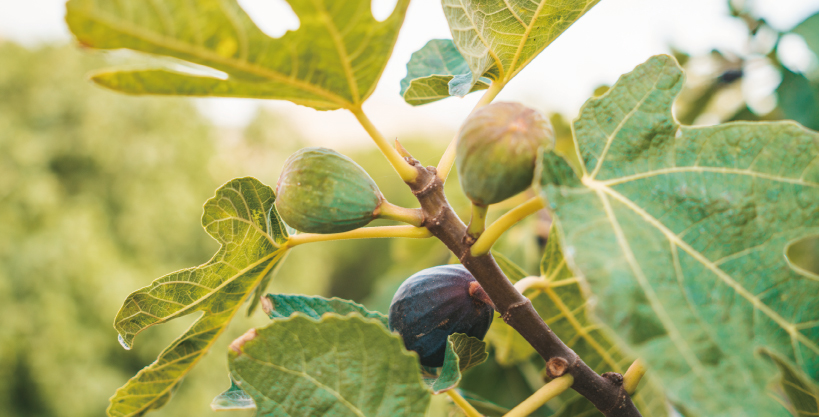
<point x="406" y="171"/>
<point x="541" y="283"/>
<point x="448" y="158"/>
<point x="363" y="233"/>
<point x="464" y="405"/>
<point x="633" y="376"/>
<point x="478" y="222"/>
<point x="390" y="211"/>
<point x="554" y="388"/>
<point x="509" y="219"/>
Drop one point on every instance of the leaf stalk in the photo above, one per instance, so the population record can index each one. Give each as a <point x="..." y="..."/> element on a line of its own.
<point x="509" y="219"/>
<point x="411" y="232"/>
<point x="554" y="388"/>
<point x="464" y="405"/>
<point x="633" y="376"/>
<point x="401" y="166"/>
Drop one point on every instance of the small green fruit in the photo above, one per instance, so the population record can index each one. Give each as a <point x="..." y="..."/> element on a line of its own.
<point x="323" y="191"/>
<point x="497" y="148"/>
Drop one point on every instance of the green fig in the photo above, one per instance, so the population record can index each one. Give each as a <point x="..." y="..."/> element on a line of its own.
<point x="497" y="148"/>
<point x="323" y="191"/>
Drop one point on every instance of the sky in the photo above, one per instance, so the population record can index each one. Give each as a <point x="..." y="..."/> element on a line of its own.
<point x="611" y="39"/>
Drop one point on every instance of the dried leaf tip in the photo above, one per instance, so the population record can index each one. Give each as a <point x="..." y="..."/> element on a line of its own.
<point x="237" y="344"/>
<point x="267" y="305"/>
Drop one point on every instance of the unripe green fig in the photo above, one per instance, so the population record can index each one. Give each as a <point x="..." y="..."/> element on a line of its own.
<point x="497" y="148"/>
<point x="323" y="191"/>
<point x="435" y="303"/>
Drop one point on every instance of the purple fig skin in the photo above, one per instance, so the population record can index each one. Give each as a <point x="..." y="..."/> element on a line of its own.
<point x="435" y="303"/>
<point x="497" y="149"/>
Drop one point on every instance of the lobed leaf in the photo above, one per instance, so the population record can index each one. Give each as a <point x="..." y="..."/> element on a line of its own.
<point x="430" y="71"/>
<point x="334" y="59"/>
<point x="682" y="232"/>
<point x="340" y="366"/>
<point x="497" y="38"/>
<point x="462" y="352"/>
<point x="243" y="219"/>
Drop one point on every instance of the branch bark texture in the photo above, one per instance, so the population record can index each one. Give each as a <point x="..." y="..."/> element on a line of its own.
<point x="605" y="391"/>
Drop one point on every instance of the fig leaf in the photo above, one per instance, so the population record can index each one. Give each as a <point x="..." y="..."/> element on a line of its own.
<point x="497" y="38"/>
<point x="682" y="233"/>
<point x="279" y="306"/>
<point x="243" y="219"/>
<point x="337" y="365"/>
<point x="462" y="352"/>
<point x="430" y="71"/>
<point x="334" y="59"/>
<point x="233" y="399"/>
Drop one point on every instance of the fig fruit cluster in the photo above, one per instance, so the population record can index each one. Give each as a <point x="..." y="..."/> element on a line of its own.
<point x="323" y="191"/>
<point x="435" y="303"/>
<point x="497" y="150"/>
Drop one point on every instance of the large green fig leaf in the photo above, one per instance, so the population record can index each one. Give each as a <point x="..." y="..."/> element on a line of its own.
<point x="682" y="234"/>
<point x="500" y="37"/>
<point x="243" y="219"/>
<point x="337" y="365"/>
<point x="430" y="70"/>
<point x="333" y="60"/>
<point x="462" y="352"/>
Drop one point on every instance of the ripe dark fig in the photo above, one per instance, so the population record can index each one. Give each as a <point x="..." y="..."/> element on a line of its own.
<point x="323" y="191"/>
<point x="497" y="148"/>
<point x="435" y="303"/>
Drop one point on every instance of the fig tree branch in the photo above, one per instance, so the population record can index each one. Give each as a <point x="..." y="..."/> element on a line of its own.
<point x="554" y="388"/>
<point x="363" y="233"/>
<point x="503" y="223"/>
<point x="605" y="392"/>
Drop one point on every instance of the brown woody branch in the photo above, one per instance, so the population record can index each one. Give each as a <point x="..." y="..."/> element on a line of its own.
<point x="605" y="391"/>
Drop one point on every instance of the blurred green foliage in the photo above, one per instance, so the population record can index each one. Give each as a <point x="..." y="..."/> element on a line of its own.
<point x="100" y="193"/>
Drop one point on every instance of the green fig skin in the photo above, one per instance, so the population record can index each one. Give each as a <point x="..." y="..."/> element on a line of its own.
<point x="497" y="150"/>
<point x="323" y="191"/>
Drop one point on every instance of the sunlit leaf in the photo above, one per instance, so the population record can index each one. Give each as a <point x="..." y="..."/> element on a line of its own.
<point x="462" y="352"/>
<point x="801" y="395"/>
<point x="338" y="365"/>
<point x="681" y="232"/>
<point x="243" y="219"/>
<point x="232" y="399"/>
<point x="497" y="38"/>
<point x="430" y="70"/>
<point x="333" y="60"/>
